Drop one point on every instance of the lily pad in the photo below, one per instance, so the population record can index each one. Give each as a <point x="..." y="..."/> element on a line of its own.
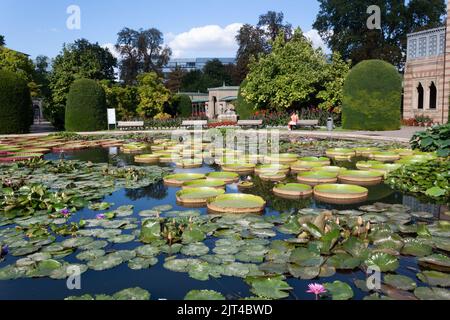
<point x="400" y="282"/>
<point x="209" y="295"/>
<point x="339" y="290"/>
<point x="425" y="293"/>
<point x="195" y="249"/>
<point x="306" y="258"/>
<point x="132" y="294"/>
<point x="384" y="261"/>
<point x="272" y="287"/>
<point x="435" y="278"/>
<point x="108" y="261"/>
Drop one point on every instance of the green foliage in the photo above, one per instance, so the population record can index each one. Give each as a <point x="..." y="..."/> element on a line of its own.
<point x="86" y="106"/>
<point x="287" y="77"/>
<point x="2" y="40"/>
<point x="16" y="113"/>
<point x="79" y="60"/>
<point x="153" y="95"/>
<point x="431" y="178"/>
<point x="332" y="92"/>
<point x="341" y="22"/>
<point x="372" y="97"/>
<point x="182" y="105"/>
<point x="244" y="109"/>
<point x="122" y="98"/>
<point x="214" y="74"/>
<point x="436" y="139"/>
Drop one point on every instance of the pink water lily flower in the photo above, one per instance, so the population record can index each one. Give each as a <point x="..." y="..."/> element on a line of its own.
<point x="316" y="289"/>
<point x="100" y="216"/>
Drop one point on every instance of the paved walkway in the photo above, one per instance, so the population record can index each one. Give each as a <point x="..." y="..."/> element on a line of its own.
<point x="402" y="136"/>
<point x="43" y="127"/>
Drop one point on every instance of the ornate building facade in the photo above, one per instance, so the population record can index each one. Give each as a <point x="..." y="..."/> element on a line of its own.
<point x="427" y="74"/>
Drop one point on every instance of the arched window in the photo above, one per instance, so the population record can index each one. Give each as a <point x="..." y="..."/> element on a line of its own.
<point x="420" y="96"/>
<point x="433" y="96"/>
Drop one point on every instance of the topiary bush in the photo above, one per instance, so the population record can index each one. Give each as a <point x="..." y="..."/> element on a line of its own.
<point x="86" y="107"/>
<point x="244" y="109"/>
<point x="372" y="97"/>
<point x="16" y="111"/>
<point x="182" y="105"/>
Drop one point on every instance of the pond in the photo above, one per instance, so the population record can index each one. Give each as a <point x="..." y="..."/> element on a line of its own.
<point x="267" y="237"/>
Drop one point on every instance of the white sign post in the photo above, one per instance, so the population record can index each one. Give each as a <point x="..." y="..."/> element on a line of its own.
<point x="112" y="118"/>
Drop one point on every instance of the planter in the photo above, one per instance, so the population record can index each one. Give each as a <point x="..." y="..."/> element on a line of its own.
<point x="317" y="177"/>
<point x="227" y="177"/>
<point x="147" y="158"/>
<point x="361" y="177"/>
<point x="340" y="193"/>
<point x="180" y="178"/>
<point x="292" y="190"/>
<point x="204" y="183"/>
<point x="197" y="196"/>
<point x="237" y="203"/>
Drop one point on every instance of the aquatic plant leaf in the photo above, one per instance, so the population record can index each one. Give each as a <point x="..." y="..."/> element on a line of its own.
<point x="140" y="263"/>
<point x="305" y="258"/>
<point x="400" y="282"/>
<point x="132" y="294"/>
<point x="435" y="278"/>
<point x="195" y="249"/>
<point x="425" y="293"/>
<point x="272" y="287"/>
<point x="197" y="295"/>
<point x="339" y="290"/>
<point x="384" y="261"/>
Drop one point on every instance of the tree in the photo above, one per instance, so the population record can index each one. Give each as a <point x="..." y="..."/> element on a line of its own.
<point x="215" y="73"/>
<point x="182" y="105"/>
<point x="244" y="109"/>
<point x="153" y="95"/>
<point x="2" y="40"/>
<point x="334" y="77"/>
<point x="273" y="24"/>
<point x="194" y="81"/>
<point x="123" y="98"/>
<point x="78" y="60"/>
<point x="287" y="77"/>
<point x="175" y="79"/>
<point x="16" y="113"/>
<point x="86" y="106"/>
<point x="342" y="25"/>
<point x="42" y="75"/>
<point x="141" y="51"/>
<point x="372" y="97"/>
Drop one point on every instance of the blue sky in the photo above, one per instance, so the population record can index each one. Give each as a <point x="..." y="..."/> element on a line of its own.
<point x="195" y="28"/>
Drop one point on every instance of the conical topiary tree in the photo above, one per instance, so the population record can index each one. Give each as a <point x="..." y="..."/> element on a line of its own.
<point x="372" y="97"/>
<point x="86" y="107"/>
<point x="16" y="111"/>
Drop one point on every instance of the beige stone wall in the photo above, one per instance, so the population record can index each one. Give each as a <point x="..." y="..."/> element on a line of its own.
<point x="221" y="106"/>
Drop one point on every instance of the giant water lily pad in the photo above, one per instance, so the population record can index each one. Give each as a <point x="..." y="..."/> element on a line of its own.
<point x="400" y="282"/>
<point x="132" y="294"/>
<point x="272" y="287"/>
<point x="339" y="290"/>
<point x="180" y="178"/>
<point x="209" y="295"/>
<point x="198" y="195"/>
<point x="237" y="203"/>
<point x="228" y="177"/>
<point x="435" y="278"/>
<point x="204" y="183"/>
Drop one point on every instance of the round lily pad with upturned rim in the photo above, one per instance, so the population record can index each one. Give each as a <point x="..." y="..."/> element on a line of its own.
<point x="198" y="195"/>
<point x="147" y="158"/>
<point x="237" y="203"/>
<point x="228" y="177"/>
<point x="296" y="190"/>
<point x="385" y="156"/>
<point x="337" y="193"/>
<point x="340" y="152"/>
<point x="179" y="178"/>
<point x="265" y="168"/>
<point x="301" y="166"/>
<point x="360" y="176"/>
<point x="204" y="183"/>
<point x="316" y="177"/>
<point x="366" y="165"/>
<point x="241" y="168"/>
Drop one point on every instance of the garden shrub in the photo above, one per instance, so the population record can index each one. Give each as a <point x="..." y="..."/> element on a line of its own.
<point x="182" y="105"/>
<point x="244" y="109"/>
<point x="86" y="107"/>
<point x="436" y="139"/>
<point x="16" y="111"/>
<point x="431" y="179"/>
<point x="372" y="97"/>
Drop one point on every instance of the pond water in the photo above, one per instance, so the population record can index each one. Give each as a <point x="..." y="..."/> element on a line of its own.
<point x="165" y="284"/>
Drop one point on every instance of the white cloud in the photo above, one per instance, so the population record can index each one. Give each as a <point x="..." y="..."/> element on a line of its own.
<point x="316" y="40"/>
<point x="205" y="41"/>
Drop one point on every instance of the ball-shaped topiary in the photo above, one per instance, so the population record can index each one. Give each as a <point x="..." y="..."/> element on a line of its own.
<point x="244" y="109"/>
<point x="182" y="105"/>
<point x="86" y="106"/>
<point x="16" y="111"/>
<point x="372" y="97"/>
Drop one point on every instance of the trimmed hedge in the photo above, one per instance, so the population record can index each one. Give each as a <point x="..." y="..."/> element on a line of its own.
<point x="86" y="107"/>
<point x="244" y="109"/>
<point x="372" y="97"/>
<point x="182" y="105"/>
<point x="16" y="110"/>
